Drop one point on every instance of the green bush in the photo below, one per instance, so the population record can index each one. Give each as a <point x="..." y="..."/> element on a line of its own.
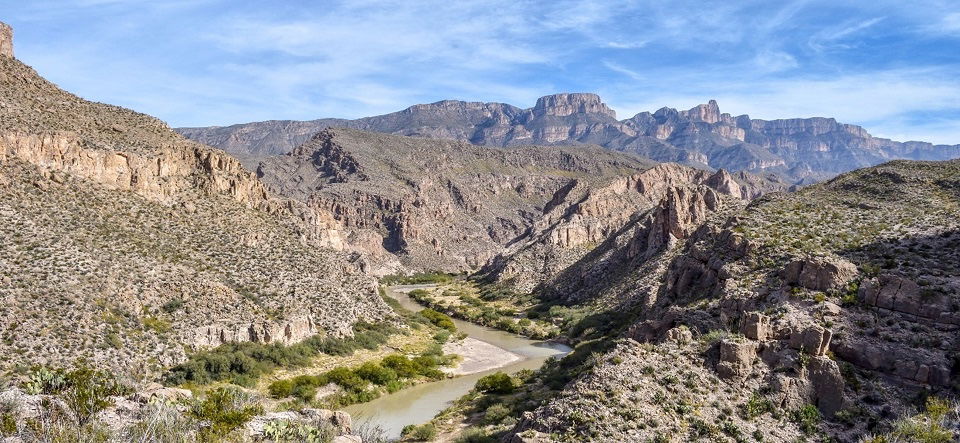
<point x="224" y="409"/>
<point x="808" y="418"/>
<point x="497" y="383"/>
<point x="439" y="319"/>
<point x="245" y="362"/>
<point x="376" y="374"/>
<point x="425" y="432"/>
<point x="474" y="435"/>
<point x="281" y="388"/>
<point x="346" y="378"/>
<point x="496" y="413"/>
<point x="404" y="367"/>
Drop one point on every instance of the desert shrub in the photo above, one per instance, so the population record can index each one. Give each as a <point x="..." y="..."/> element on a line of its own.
<point x="346" y="378"/>
<point x="808" y="418"/>
<point x="756" y="406"/>
<point x="281" y="388"/>
<point x="497" y="383"/>
<point x="404" y="367"/>
<point x="161" y="423"/>
<point x="87" y="393"/>
<point x="496" y="413"/>
<point x="474" y="435"/>
<point x="376" y="374"/>
<point x="283" y="431"/>
<point x="224" y="410"/>
<point x="172" y="306"/>
<point x="928" y="426"/>
<point x="242" y="363"/>
<point x="439" y="319"/>
<point x="424" y="432"/>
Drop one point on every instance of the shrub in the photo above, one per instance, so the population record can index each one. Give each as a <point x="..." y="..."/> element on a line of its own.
<point x="405" y="367"/>
<point x="87" y="393"/>
<point x="172" y="306"/>
<point x="808" y="418"/>
<point x="496" y="413"/>
<point x="439" y="319"/>
<point x="346" y="378"/>
<point x="424" y="432"/>
<point x="497" y="383"/>
<point x="281" y="388"/>
<point x="224" y="409"/>
<point x="474" y="435"/>
<point x="376" y="374"/>
<point x="292" y="431"/>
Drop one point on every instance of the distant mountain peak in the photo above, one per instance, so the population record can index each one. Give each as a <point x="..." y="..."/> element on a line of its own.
<point x="564" y="104"/>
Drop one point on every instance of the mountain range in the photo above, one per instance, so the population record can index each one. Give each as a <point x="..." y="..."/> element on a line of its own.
<point x="799" y="150"/>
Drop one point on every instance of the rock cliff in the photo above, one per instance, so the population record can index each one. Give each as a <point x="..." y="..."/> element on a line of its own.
<point x="128" y="245"/>
<point x="433" y="204"/>
<point x="799" y="150"/>
<point x="841" y="297"/>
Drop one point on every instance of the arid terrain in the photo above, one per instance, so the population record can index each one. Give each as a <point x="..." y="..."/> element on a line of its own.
<point x="675" y="276"/>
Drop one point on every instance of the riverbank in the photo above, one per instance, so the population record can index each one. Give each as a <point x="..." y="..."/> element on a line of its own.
<point x="486" y="350"/>
<point x="477" y="356"/>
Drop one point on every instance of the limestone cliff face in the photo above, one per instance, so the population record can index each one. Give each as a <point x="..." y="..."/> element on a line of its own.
<point x="434" y="204"/>
<point x="632" y="217"/>
<point x="798" y="150"/>
<point x="134" y="244"/>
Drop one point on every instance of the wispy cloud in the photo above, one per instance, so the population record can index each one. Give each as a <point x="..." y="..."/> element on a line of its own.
<point x="834" y="37"/>
<point x="196" y="62"/>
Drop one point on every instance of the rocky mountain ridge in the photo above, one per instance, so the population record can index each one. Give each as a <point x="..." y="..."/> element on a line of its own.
<point x="128" y="245"/>
<point x="799" y="150"/>
<point x="831" y="312"/>
<point x="435" y="204"/>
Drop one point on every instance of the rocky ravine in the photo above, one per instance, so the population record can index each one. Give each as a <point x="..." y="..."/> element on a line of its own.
<point x="434" y="204"/>
<point x="799" y="150"/>
<point x="126" y="244"/>
<point x="639" y="214"/>
<point x="841" y="297"/>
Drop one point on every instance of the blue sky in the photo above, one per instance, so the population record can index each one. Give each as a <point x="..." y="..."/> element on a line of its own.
<point x="891" y="66"/>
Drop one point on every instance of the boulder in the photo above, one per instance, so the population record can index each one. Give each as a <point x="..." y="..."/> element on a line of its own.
<point x="156" y="392"/>
<point x="902" y="295"/>
<point x="736" y="359"/>
<point x="680" y="334"/>
<point x="819" y="273"/>
<point x="827" y="384"/>
<point x="813" y="339"/>
<point x="756" y="326"/>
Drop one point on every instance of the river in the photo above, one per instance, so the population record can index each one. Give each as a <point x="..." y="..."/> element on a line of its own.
<point x="418" y="404"/>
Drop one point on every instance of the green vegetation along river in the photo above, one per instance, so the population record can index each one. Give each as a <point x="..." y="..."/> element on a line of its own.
<point x="420" y="403"/>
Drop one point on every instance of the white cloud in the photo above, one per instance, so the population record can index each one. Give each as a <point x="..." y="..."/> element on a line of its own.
<point x="774" y="61"/>
<point x="833" y="37"/>
<point x="620" y="69"/>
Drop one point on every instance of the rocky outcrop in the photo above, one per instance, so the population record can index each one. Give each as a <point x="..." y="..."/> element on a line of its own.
<point x="6" y="40"/>
<point x="899" y="294"/>
<point x="287" y="332"/>
<point x="819" y="273"/>
<point x="562" y="105"/>
<point x="736" y="358"/>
